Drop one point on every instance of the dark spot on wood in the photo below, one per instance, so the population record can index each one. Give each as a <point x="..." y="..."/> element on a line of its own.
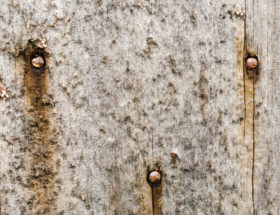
<point x="220" y="119"/>
<point x="173" y="66"/>
<point x="203" y="96"/>
<point x="127" y="70"/>
<point x="102" y="130"/>
<point x="201" y="43"/>
<point x="104" y="59"/>
<point x="193" y="19"/>
<point x="150" y="43"/>
<point x="174" y="157"/>
<point x="209" y="166"/>
<point x="127" y="119"/>
<point x="87" y="18"/>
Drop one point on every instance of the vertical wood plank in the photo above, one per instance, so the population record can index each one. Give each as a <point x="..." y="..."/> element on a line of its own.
<point x="142" y="85"/>
<point x="262" y="40"/>
<point x="202" y="135"/>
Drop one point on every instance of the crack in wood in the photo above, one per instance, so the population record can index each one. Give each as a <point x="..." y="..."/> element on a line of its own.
<point x="249" y="128"/>
<point x="253" y="164"/>
<point x="156" y="200"/>
<point x="250" y="78"/>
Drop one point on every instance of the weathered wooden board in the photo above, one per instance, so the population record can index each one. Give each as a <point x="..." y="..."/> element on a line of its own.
<point x="262" y="40"/>
<point x="133" y="86"/>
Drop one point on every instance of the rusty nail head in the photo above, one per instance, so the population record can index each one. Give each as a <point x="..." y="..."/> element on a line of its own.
<point x="154" y="177"/>
<point x="38" y="61"/>
<point x="251" y="63"/>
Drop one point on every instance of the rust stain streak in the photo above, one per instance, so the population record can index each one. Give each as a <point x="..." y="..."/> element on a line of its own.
<point x="240" y="74"/>
<point x="249" y="122"/>
<point x="246" y="83"/>
<point x="251" y="76"/>
<point x="250" y="83"/>
<point x="41" y="141"/>
<point x="156" y="191"/>
<point x="156" y="200"/>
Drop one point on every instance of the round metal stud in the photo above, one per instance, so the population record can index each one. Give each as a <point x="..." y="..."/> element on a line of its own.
<point x="38" y="62"/>
<point x="154" y="177"/>
<point x="251" y="63"/>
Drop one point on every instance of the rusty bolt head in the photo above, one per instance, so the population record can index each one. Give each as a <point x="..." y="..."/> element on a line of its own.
<point x="251" y="63"/>
<point x="38" y="62"/>
<point x="154" y="177"/>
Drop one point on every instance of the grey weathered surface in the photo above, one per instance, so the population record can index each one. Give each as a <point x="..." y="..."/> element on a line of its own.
<point x="262" y="40"/>
<point x="128" y="83"/>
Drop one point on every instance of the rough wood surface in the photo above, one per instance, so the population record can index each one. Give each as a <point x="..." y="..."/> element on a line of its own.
<point x="262" y="40"/>
<point x="134" y="86"/>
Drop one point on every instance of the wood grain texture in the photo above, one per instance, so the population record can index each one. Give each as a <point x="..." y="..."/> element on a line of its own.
<point x="139" y="85"/>
<point x="262" y="40"/>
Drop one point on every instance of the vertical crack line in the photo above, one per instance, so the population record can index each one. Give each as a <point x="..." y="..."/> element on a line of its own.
<point x="153" y="195"/>
<point x="254" y="148"/>
<point x="245" y="104"/>
<point x="244" y="70"/>
<point x="153" y="201"/>
<point x="152" y="148"/>
<point x="157" y="199"/>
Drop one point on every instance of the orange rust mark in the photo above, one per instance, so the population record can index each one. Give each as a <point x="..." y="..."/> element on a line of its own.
<point x="150" y="43"/>
<point x="42" y="143"/>
<point x="143" y="195"/>
<point x="250" y="78"/>
<point x="156" y="199"/>
<point x="239" y="48"/>
<point x="249" y="107"/>
<point x="245" y="83"/>
<point x="174" y="157"/>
